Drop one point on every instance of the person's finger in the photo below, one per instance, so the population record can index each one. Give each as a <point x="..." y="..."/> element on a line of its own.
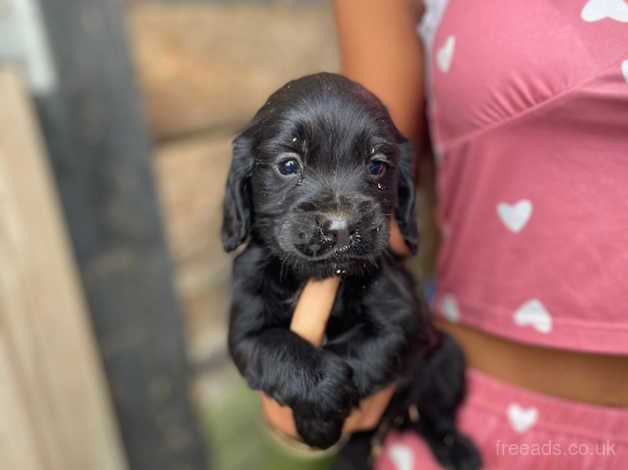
<point x="312" y="312"/>
<point x="279" y="417"/>
<point x="370" y="411"/>
<point x="397" y="242"/>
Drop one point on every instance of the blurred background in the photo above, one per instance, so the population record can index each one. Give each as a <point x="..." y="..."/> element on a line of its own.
<point x="115" y="139"/>
<point x="204" y="68"/>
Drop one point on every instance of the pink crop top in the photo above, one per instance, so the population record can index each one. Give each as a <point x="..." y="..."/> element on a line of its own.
<point x="528" y="106"/>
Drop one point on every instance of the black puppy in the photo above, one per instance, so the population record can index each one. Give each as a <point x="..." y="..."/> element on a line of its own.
<point x="315" y="179"/>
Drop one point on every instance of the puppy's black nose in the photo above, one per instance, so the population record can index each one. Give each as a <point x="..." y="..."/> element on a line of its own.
<point x="335" y="231"/>
<point x="322" y="234"/>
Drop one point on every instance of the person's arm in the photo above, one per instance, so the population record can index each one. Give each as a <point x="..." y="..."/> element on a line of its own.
<point x="380" y="48"/>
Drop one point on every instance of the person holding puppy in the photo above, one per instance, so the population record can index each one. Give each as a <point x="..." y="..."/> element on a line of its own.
<point x="526" y="105"/>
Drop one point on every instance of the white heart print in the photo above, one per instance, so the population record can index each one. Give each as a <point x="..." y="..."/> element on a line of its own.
<point x="533" y="313"/>
<point x="445" y="54"/>
<point x="449" y="307"/>
<point x="515" y="216"/>
<point x="521" y="419"/>
<point x="624" y="69"/>
<point x="401" y="456"/>
<point x="596" y="10"/>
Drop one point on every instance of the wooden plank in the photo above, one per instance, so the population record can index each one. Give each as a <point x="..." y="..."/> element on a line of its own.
<point x="47" y="350"/>
<point x="18" y="443"/>
<point x="100" y="153"/>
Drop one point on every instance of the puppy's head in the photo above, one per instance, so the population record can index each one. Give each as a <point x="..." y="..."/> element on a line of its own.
<point x="317" y="175"/>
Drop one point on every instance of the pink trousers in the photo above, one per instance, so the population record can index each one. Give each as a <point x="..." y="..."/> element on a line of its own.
<point x="519" y="429"/>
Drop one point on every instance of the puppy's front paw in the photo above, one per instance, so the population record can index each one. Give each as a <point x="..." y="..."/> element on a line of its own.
<point x="320" y="417"/>
<point x="457" y="451"/>
<point x="319" y="432"/>
<point x="335" y="392"/>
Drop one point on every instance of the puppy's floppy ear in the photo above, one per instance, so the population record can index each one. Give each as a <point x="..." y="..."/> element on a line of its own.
<point x="237" y="214"/>
<point x="406" y="197"/>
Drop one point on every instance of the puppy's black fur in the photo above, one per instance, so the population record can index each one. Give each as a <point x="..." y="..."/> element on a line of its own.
<point x="315" y="179"/>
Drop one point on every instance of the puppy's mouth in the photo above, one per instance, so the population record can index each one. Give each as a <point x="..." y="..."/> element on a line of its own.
<point x="318" y="237"/>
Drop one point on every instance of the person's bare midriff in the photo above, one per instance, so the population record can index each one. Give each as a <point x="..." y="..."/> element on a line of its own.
<point x="573" y="375"/>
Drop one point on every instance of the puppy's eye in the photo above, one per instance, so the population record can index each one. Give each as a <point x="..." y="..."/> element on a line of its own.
<point x="376" y="168"/>
<point x="289" y="166"/>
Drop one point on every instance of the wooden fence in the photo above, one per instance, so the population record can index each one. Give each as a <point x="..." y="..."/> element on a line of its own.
<point x="54" y="410"/>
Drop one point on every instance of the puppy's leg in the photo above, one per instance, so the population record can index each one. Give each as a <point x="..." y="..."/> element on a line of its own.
<point x="362" y="448"/>
<point x="438" y="393"/>
<point x="316" y="384"/>
<point x="356" y="454"/>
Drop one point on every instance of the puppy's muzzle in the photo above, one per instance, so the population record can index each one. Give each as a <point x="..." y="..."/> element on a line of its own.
<point x="341" y="233"/>
<point x="318" y="235"/>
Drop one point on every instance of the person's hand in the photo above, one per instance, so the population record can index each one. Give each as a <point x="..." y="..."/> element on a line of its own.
<point x="309" y="321"/>
<point x="363" y="418"/>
